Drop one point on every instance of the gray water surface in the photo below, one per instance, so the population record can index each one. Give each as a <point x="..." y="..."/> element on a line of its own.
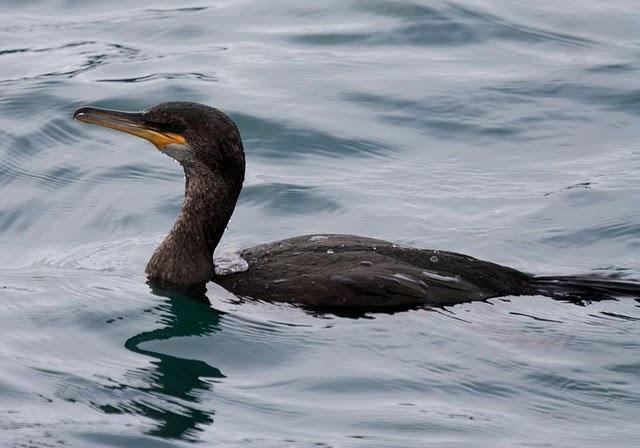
<point x="503" y="130"/>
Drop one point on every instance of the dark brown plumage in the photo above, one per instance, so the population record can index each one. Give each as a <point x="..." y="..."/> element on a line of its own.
<point x="324" y="271"/>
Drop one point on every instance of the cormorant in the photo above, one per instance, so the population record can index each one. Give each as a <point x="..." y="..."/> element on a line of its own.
<point x="325" y="271"/>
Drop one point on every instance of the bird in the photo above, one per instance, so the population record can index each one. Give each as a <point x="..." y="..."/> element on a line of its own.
<point x="321" y="271"/>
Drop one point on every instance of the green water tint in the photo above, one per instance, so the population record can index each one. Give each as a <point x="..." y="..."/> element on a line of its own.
<point x="172" y="377"/>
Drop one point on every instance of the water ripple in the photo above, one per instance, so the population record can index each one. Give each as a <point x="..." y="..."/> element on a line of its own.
<point x="281" y="198"/>
<point x="270" y="139"/>
<point x="505" y="130"/>
<point x="164" y="76"/>
<point x="444" y="116"/>
<point x="66" y="61"/>
<point x="421" y="25"/>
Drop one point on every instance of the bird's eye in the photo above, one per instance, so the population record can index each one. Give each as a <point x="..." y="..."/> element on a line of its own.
<point x="173" y="127"/>
<point x="176" y="128"/>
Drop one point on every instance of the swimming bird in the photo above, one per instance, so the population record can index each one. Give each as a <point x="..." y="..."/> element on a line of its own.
<point x="323" y="271"/>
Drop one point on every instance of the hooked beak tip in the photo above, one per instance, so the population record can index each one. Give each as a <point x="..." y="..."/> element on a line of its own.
<point x="80" y="114"/>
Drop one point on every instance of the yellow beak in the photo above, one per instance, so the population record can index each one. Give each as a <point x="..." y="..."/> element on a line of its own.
<point x="129" y="122"/>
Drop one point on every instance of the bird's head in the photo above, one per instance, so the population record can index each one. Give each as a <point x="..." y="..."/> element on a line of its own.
<point x="193" y="134"/>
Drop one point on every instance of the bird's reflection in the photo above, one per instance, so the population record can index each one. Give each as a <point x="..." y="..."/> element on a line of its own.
<point x="172" y="385"/>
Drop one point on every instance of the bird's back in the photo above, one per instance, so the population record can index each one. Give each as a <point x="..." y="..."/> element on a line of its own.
<point x="353" y="271"/>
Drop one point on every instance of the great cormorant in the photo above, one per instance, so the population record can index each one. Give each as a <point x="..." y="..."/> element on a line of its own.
<point x="315" y="270"/>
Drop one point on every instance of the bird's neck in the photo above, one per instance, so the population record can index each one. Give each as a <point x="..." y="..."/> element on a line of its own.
<point x="185" y="257"/>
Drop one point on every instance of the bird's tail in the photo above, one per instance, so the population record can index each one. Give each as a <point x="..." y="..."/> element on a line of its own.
<point x="585" y="287"/>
